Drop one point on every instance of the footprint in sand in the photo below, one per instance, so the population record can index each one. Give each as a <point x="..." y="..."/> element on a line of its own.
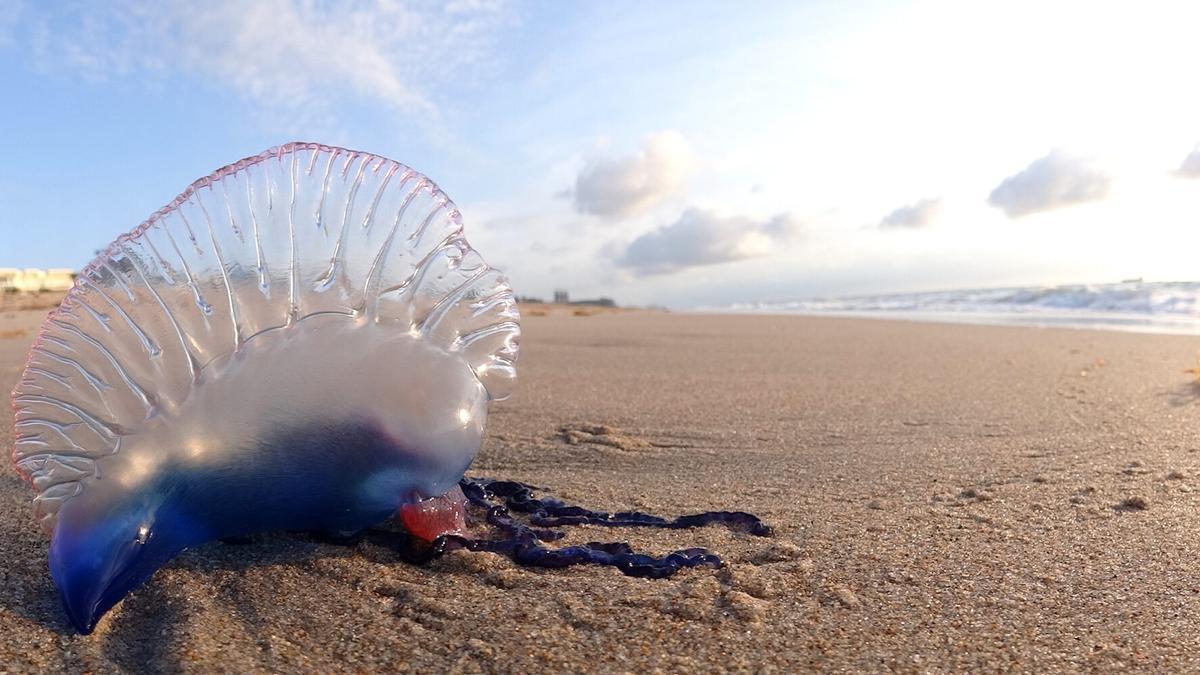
<point x="1134" y="503"/>
<point x="602" y="434"/>
<point x="975" y="495"/>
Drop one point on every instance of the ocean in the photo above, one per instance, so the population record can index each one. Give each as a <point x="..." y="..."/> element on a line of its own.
<point x="1152" y="307"/>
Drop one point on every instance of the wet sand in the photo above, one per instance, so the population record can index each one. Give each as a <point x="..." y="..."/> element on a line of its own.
<point x="945" y="498"/>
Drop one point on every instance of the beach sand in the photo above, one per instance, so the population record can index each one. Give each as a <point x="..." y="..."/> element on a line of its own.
<point x="945" y="498"/>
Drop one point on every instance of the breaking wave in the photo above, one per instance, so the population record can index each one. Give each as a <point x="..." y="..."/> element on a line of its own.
<point x="1170" y="307"/>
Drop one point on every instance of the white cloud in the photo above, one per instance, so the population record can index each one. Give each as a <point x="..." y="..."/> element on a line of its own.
<point x="913" y="216"/>
<point x="1190" y="168"/>
<point x="1050" y="182"/>
<point x="702" y="237"/>
<point x="278" y="53"/>
<point x="619" y="188"/>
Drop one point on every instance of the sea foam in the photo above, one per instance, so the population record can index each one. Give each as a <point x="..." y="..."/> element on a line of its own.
<point x="1157" y="307"/>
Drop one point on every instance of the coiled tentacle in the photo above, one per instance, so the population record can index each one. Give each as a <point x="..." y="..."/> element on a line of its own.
<point x="498" y="500"/>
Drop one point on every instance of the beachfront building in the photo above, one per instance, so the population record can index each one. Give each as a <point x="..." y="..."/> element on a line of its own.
<point x="34" y="280"/>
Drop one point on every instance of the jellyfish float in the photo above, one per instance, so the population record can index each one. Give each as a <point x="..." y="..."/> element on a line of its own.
<point x="303" y="340"/>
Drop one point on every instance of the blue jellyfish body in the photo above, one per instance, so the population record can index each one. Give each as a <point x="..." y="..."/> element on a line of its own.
<point x="302" y="340"/>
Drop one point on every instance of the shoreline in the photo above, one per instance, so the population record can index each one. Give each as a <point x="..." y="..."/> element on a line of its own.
<point x="1113" y="322"/>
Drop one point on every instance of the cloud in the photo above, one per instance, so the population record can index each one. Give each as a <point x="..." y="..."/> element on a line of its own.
<point x="619" y="188"/>
<point x="703" y="237"/>
<point x="274" y="52"/>
<point x="913" y="216"/>
<point x="1051" y="182"/>
<point x="1191" y="165"/>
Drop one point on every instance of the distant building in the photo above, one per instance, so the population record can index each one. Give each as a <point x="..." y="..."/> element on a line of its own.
<point x="59" y="279"/>
<point x="596" y="302"/>
<point x="561" y="297"/>
<point x="33" y="280"/>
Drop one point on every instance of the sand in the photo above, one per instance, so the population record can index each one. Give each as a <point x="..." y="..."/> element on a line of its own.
<point x="945" y="498"/>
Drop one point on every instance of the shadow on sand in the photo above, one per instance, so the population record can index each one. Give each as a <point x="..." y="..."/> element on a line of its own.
<point x="28" y="590"/>
<point x="1184" y="394"/>
<point x="150" y="631"/>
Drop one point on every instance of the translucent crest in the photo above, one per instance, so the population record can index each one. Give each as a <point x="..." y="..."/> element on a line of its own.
<point x="246" y="253"/>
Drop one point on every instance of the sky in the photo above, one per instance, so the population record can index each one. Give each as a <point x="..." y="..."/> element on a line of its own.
<point x="686" y="154"/>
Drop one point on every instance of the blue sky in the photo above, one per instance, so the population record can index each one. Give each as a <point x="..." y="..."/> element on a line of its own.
<point x="682" y="153"/>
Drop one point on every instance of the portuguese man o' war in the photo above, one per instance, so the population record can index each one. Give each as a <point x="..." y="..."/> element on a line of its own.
<point x="303" y="340"/>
